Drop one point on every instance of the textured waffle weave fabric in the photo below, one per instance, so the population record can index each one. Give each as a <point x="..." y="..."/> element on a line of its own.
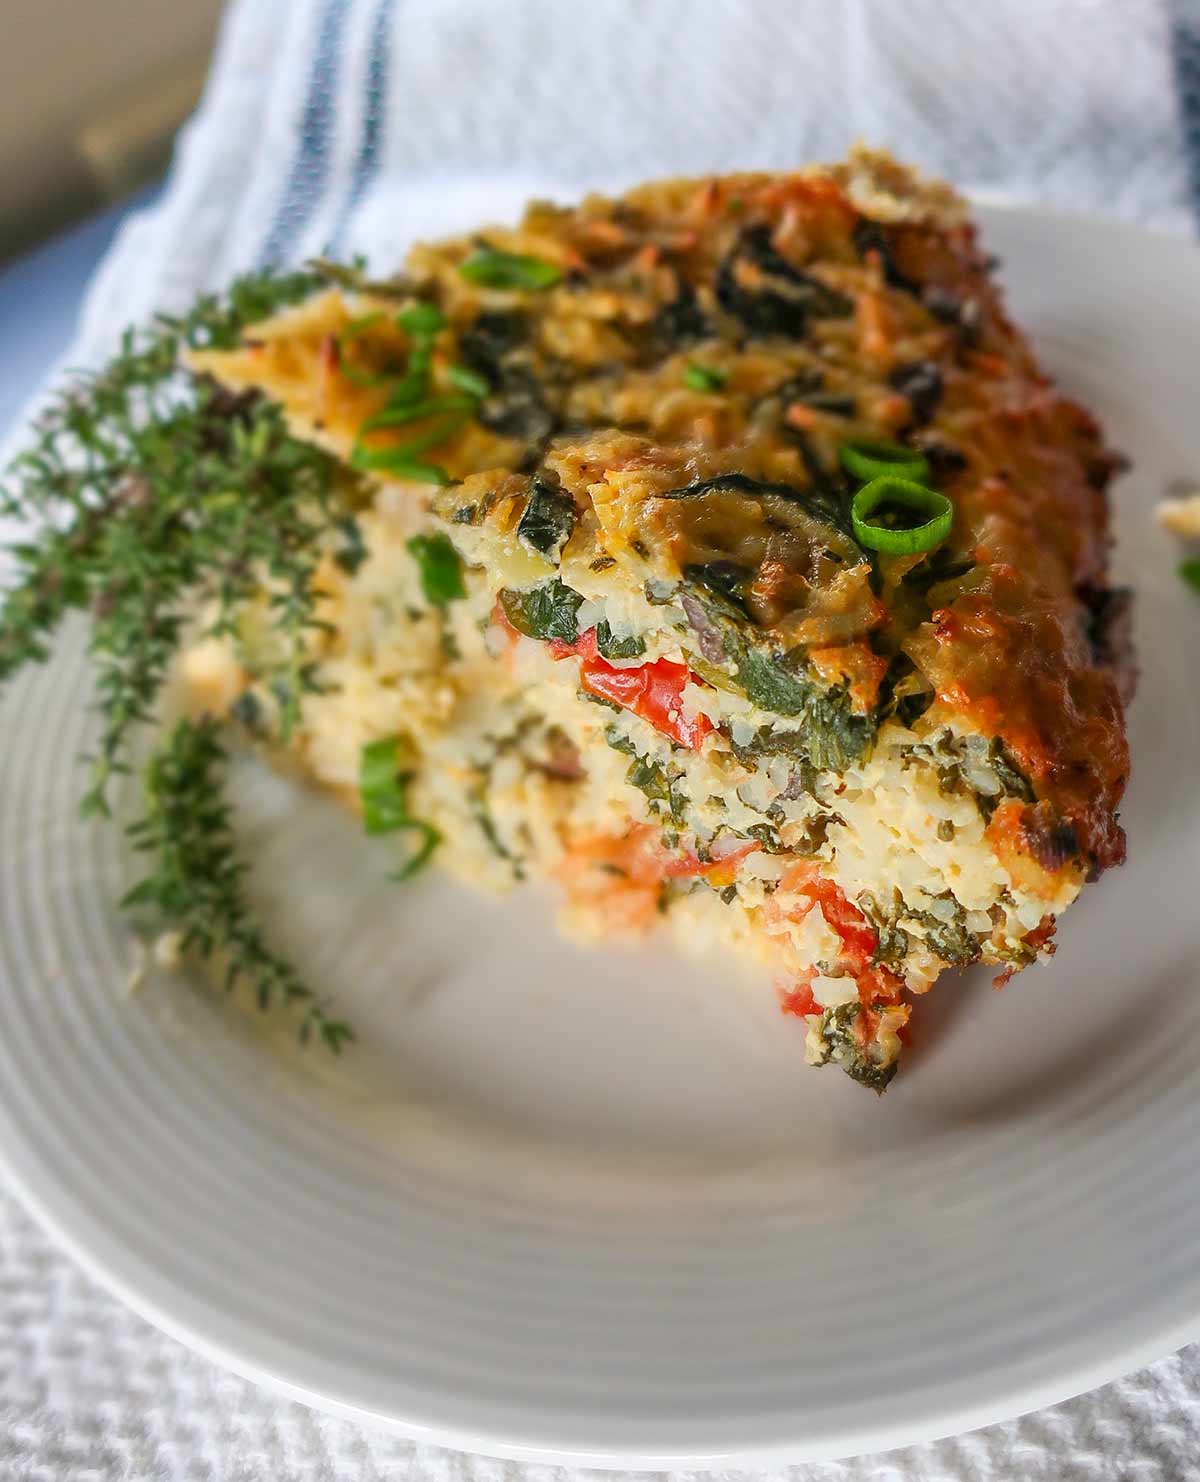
<point x="327" y="122"/>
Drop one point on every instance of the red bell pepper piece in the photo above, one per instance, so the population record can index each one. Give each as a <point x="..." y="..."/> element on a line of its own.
<point x="653" y="691"/>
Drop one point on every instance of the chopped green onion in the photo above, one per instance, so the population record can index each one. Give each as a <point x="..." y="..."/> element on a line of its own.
<point x="402" y="459"/>
<point x="417" y="472"/>
<point x="413" y="411"/>
<point x="414" y="383"/>
<point x="440" y="568"/>
<point x="430" y="839"/>
<point x="704" y="377"/>
<point x="492" y="268"/>
<point x="422" y="321"/>
<point x="442" y="429"/>
<point x="379" y="787"/>
<point x="468" y="380"/>
<point x="900" y="495"/>
<point x="1190" y="571"/>
<point x="876" y="460"/>
<point x="400" y="462"/>
<point x="381" y="790"/>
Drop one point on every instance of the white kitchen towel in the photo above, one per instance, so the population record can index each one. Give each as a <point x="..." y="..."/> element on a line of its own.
<point x="358" y="124"/>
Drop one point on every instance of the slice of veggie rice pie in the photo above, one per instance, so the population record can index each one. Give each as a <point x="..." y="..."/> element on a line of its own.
<point x="721" y="554"/>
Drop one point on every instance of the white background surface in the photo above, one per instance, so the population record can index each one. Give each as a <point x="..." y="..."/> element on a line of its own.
<point x="86" y="1388"/>
<point x="91" y="1393"/>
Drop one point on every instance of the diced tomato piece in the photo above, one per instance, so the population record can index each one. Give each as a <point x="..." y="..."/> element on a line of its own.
<point x="879" y="985"/>
<point x="652" y="691"/>
<point x="799" y="1000"/>
<point x="687" y="866"/>
<point x="858" y="937"/>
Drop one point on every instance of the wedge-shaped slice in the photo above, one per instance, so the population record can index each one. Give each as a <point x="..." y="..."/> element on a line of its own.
<point x="727" y="637"/>
<point x="693" y="671"/>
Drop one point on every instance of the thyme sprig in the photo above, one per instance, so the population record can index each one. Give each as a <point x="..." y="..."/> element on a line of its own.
<point x="155" y="495"/>
<point x="195" y="880"/>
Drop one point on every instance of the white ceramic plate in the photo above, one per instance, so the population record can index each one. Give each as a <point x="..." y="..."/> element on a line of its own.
<point x="591" y="1205"/>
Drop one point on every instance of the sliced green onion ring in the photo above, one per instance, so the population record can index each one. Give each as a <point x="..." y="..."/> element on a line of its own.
<point x="413" y="411"/>
<point x="382" y="790"/>
<point x="704" y="377"/>
<point x="379" y="787"/>
<point x="421" y="321"/>
<point x="403" y="459"/>
<point x="491" y="268"/>
<point x="868" y="460"/>
<point x="904" y="494"/>
<point x="468" y="380"/>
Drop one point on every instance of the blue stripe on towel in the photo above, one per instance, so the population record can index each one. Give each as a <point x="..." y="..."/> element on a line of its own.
<point x="1185" y="52"/>
<point x="366" y="162"/>
<point x="311" y="165"/>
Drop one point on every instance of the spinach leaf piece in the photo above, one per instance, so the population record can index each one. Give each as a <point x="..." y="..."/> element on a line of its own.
<point x="831" y="737"/>
<point x="680" y="322"/>
<point x="652" y="778"/>
<point x="547" y="611"/>
<point x="548" y="520"/>
<point x="758" y="285"/>
<point x="517" y="406"/>
<point x="838" y="1044"/>
<point x="618" y="648"/>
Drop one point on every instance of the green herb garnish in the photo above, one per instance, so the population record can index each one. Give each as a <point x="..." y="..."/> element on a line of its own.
<point x="491" y="268"/>
<point x="155" y="497"/>
<point x="440" y="568"/>
<point x="404" y="460"/>
<point x="1190" y="572"/>
<point x="414" y="411"/>
<point x="352" y="277"/>
<point x="413" y="385"/>
<point x="409" y="401"/>
<point x="195" y="880"/>
<point x="422" y="321"/>
<point x="892" y="500"/>
<point x="704" y="377"/>
<point x="868" y="460"/>
<point x="468" y="380"/>
<point x="382" y="790"/>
